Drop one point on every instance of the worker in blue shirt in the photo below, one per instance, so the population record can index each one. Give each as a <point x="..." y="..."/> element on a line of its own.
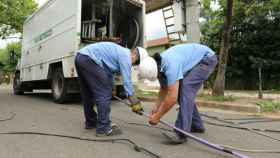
<point x="96" y="65"/>
<point x="182" y="71"/>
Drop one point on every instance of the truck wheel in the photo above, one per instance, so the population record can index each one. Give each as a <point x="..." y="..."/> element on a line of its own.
<point x="59" y="86"/>
<point x="17" y="85"/>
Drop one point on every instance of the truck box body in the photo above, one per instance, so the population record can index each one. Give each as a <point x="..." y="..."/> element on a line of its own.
<point x="55" y="32"/>
<point x="49" y="36"/>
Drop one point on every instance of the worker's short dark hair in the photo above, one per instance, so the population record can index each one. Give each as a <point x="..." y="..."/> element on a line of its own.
<point x="157" y="58"/>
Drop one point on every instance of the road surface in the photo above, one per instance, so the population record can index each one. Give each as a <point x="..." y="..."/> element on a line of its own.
<point x="37" y="113"/>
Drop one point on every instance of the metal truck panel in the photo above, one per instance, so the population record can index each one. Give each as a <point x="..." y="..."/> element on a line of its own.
<point x="49" y="35"/>
<point x="54" y="33"/>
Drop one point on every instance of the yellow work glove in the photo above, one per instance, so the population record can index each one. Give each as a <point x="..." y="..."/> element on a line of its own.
<point x="136" y="106"/>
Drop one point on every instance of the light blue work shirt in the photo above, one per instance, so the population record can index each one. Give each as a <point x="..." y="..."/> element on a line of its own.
<point x="178" y="60"/>
<point x="115" y="57"/>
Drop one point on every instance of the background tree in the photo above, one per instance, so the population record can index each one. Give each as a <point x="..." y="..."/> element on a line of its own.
<point x="219" y="84"/>
<point x="1" y="59"/>
<point x="13" y="13"/>
<point x="9" y="57"/>
<point x="8" y="61"/>
<point x="254" y="41"/>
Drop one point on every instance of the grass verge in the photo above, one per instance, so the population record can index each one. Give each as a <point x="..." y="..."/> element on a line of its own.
<point x="269" y="106"/>
<point x="147" y="94"/>
<point x="218" y="98"/>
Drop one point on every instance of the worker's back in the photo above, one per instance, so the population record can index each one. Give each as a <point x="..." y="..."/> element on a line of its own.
<point x="107" y="53"/>
<point x="178" y="60"/>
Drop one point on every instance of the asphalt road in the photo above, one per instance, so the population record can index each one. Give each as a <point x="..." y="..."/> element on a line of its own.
<point x="37" y="113"/>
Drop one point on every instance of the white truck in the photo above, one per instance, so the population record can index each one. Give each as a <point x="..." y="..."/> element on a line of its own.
<point x="58" y="29"/>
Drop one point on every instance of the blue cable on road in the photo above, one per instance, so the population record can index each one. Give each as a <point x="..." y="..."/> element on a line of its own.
<point x="200" y="140"/>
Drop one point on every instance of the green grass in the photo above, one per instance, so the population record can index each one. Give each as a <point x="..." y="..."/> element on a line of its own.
<point x="273" y="91"/>
<point x="269" y="106"/>
<point x="203" y="97"/>
<point x="147" y="94"/>
<point x="218" y="98"/>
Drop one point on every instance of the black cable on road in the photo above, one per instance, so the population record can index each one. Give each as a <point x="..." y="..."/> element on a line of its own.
<point x="257" y="121"/>
<point x="242" y="128"/>
<point x="217" y="118"/>
<point x="210" y="123"/>
<point x="237" y="125"/>
<point x="10" y="118"/>
<point x="149" y="126"/>
<point x="232" y="125"/>
<point x="243" y="120"/>
<point x="225" y="146"/>
<point x="142" y="124"/>
<point x="246" y="118"/>
<point x="135" y="146"/>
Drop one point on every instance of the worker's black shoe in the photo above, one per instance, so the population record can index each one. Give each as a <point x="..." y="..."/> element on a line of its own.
<point x="90" y="126"/>
<point x="197" y="130"/>
<point x="174" y="138"/>
<point x="115" y="130"/>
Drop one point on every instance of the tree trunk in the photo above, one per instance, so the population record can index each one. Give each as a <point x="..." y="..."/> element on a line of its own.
<point x="260" y="82"/>
<point x="219" y="85"/>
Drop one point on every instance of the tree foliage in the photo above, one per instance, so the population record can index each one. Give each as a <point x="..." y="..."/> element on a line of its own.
<point x="13" y="13"/>
<point x="9" y="57"/>
<point x="254" y="41"/>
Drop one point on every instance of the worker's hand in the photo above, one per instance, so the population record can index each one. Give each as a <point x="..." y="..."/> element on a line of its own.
<point x="155" y="109"/>
<point x="136" y="105"/>
<point x="154" y="119"/>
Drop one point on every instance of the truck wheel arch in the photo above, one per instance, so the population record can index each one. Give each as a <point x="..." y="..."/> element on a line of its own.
<point x="52" y="68"/>
<point x="59" y="83"/>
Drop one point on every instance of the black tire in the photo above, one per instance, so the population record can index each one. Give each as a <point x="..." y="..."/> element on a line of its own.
<point x="59" y="86"/>
<point x="17" y="85"/>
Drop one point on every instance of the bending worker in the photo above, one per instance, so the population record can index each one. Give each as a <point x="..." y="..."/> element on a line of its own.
<point x="182" y="71"/>
<point x="96" y="65"/>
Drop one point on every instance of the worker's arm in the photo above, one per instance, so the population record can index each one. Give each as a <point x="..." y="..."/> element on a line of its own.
<point x="169" y="101"/>
<point x="125" y="70"/>
<point x="162" y="93"/>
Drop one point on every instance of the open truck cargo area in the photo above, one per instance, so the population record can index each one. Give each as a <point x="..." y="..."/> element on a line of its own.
<point x="55" y="32"/>
<point x="120" y="21"/>
<point x="153" y="5"/>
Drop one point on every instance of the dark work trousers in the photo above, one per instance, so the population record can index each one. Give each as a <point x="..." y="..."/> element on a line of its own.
<point x="96" y="87"/>
<point x="188" y="115"/>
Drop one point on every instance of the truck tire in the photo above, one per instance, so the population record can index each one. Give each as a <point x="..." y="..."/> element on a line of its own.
<point x="59" y="86"/>
<point x="17" y="88"/>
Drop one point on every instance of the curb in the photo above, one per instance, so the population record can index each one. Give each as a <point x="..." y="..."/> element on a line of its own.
<point x="224" y="106"/>
<point x="228" y="106"/>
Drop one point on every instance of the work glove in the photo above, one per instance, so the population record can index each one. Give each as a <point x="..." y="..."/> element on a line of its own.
<point x="136" y="106"/>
